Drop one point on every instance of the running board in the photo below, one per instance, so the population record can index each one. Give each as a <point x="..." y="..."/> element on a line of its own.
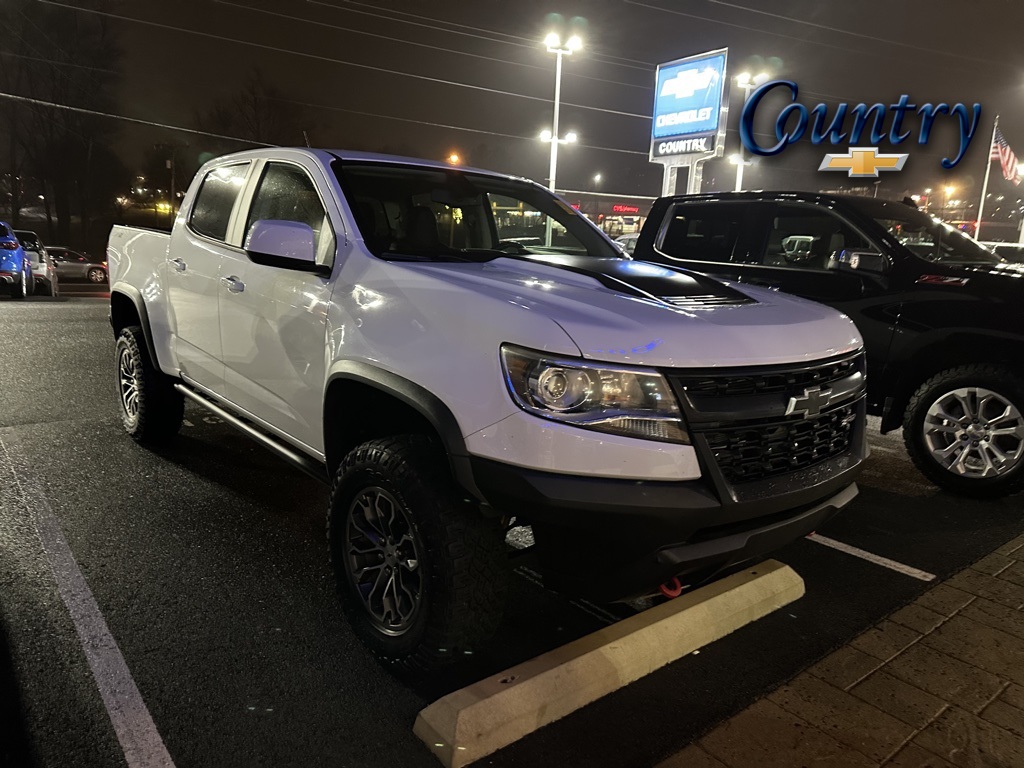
<point x="298" y="460"/>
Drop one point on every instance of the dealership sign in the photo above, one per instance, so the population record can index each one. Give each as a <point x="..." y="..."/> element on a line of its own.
<point x="866" y="124"/>
<point x="688" y="101"/>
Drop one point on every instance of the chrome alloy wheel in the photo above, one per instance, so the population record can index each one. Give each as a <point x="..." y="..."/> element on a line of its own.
<point x="97" y="275"/>
<point x="382" y="551"/>
<point x="128" y="383"/>
<point x="974" y="432"/>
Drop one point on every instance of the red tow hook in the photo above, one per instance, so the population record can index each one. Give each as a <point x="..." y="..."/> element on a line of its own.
<point x="672" y="588"/>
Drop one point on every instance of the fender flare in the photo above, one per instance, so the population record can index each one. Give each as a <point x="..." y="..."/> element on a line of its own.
<point x="424" y="402"/>
<point x="135" y="296"/>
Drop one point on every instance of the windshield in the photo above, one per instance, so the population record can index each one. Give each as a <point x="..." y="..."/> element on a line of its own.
<point x="935" y="240"/>
<point x="448" y="214"/>
<point x="29" y="240"/>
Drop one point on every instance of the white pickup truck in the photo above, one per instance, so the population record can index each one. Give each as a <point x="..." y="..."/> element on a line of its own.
<point x="459" y="351"/>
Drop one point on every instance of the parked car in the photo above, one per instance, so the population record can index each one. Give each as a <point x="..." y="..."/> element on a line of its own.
<point x="942" y="317"/>
<point x="628" y="242"/>
<point x="15" y="265"/>
<point x="372" y="320"/>
<point x="73" y="265"/>
<point x="43" y="270"/>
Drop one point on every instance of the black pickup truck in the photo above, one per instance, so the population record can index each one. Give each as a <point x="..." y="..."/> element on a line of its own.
<point x="942" y="317"/>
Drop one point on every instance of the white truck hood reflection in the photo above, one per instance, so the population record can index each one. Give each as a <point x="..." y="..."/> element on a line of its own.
<point x="616" y="311"/>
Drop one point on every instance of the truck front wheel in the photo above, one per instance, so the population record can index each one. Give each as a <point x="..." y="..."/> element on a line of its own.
<point x="421" y="573"/>
<point x="151" y="409"/>
<point x="964" y="429"/>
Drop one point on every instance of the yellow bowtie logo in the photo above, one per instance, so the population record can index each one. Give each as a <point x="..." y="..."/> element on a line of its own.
<point x="863" y="161"/>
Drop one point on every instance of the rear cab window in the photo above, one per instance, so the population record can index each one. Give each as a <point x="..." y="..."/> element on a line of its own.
<point x="704" y="232"/>
<point x="215" y="201"/>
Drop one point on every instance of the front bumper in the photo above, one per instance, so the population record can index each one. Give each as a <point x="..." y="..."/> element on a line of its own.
<point x="618" y="539"/>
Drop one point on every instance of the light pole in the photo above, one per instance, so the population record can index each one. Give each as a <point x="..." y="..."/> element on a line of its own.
<point x="949" y="191"/>
<point x="747" y="82"/>
<point x="553" y="42"/>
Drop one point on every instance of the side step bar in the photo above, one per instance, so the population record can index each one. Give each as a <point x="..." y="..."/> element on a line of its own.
<point x="298" y="460"/>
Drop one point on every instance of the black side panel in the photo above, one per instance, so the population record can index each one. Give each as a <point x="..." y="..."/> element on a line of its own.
<point x="135" y="296"/>
<point x="424" y="402"/>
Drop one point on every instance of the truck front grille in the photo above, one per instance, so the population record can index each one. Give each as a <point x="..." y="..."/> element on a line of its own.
<point x="757" y="452"/>
<point x="765" y="382"/>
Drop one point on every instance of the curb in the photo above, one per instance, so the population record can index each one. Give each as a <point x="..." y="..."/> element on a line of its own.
<point x="480" y="719"/>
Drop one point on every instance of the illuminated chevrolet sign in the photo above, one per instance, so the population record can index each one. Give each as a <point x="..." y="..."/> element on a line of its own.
<point x="689" y="95"/>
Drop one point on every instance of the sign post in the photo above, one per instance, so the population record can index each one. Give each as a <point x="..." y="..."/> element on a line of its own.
<point x="691" y="106"/>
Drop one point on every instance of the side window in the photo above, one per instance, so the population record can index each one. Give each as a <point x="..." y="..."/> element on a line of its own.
<point x="809" y="238"/>
<point x="212" y="209"/>
<point x="287" y="193"/>
<point x="702" y="232"/>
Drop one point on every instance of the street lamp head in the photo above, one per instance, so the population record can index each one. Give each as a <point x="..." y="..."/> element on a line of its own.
<point x="950" y="190"/>
<point x="743" y="78"/>
<point x="545" y="135"/>
<point x="552" y="40"/>
<point x="571" y="136"/>
<point x="597" y="177"/>
<point x="454" y="158"/>
<point x="574" y="43"/>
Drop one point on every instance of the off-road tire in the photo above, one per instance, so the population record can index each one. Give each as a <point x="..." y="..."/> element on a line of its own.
<point x="462" y="553"/>
<point x="159" y="409"/>
<point x="1006" y="384"/>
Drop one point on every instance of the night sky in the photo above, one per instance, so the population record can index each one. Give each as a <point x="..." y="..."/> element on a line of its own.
<point x="933" y="50"/>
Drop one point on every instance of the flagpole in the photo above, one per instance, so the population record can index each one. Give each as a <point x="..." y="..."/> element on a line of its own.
<point x="984" y="187"/>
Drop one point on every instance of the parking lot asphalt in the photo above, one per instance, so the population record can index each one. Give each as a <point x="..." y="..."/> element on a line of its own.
<point x="207" y="562"/>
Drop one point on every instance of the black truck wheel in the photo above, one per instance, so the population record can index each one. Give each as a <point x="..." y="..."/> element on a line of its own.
<point x="421" y="573"/>
<point x="964" y="429"/>
<point x="151" y="409"/>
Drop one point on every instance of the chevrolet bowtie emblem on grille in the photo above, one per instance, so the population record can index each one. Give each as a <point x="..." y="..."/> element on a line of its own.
<point x="810" y="403"/>
<point x="863" y="161"/>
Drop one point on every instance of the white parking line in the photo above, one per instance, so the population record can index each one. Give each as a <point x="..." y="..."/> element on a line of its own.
<point x="885" y="562"/>
<point x="135" y="729"/>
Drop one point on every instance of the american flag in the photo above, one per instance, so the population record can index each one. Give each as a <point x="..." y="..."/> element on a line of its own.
<point x="1001" y="151"/>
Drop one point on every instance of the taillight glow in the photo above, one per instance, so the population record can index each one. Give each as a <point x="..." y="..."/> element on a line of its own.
<point x="9" y="245"/>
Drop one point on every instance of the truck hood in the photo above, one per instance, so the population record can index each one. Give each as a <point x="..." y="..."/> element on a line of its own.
<point x="638" y="313"/>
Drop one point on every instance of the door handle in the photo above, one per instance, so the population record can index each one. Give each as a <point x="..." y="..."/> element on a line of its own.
<point x="233" y="283"/>
<point x="179" y="265"/>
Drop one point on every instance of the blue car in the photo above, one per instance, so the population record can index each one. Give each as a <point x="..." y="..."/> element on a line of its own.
<point x="15" y="267"/>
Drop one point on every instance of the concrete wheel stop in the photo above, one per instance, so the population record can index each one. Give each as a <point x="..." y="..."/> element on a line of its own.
<point x="480" y="719"/>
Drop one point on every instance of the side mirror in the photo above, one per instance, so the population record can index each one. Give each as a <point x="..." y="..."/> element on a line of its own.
<point x="284" y="244"/>
<point x="861" y="261"/>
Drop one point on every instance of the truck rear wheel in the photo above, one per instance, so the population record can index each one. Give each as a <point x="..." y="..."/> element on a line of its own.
<point x="964" y="429"/>
<point x="421" y="573"/>
<point x="151" y="409"/>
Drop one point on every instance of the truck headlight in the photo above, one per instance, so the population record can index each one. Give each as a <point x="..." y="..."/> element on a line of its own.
<point x="634" y="402"/>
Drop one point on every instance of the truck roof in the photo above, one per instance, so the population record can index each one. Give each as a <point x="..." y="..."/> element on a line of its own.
<point x="325" y="155"/>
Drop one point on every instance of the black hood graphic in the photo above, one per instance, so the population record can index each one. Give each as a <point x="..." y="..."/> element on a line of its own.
<point x="673" y="285"/>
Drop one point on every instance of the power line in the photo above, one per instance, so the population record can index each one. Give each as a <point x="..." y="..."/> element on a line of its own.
<point x="827" y="28"/>
<point x="760" y="30"/>
<point x="137" y="120"/>
<point x="442" y="125"/>
<point x="420" y="45"/>
<point x="52" y="61"/>
<point x="527" y="42"/>
<point x="317" y="57"/>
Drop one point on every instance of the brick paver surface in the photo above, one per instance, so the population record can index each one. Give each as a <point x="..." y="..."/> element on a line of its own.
<point x="939" y="683"/>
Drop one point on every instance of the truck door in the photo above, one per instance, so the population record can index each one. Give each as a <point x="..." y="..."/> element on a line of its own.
<point x="193" y="273"/>
<point x="273" y="320"/>
<point x="812" y="252"/>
